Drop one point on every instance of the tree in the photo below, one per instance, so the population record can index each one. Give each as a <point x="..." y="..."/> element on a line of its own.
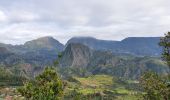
<point x="155" y="87"/>
<point x="165" y="44"/>
<point x="47" y="86"/>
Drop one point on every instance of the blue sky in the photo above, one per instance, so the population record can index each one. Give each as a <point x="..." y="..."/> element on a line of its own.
<point x="23" y="20"/>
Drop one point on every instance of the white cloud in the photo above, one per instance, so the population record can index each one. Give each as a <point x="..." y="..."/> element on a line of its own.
<point x="22" y="16"/>
<point x="3" y="17"/>
<point x="23" y="20"/>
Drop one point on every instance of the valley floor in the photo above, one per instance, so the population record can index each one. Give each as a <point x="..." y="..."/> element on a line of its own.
<point x="96" y="87"/>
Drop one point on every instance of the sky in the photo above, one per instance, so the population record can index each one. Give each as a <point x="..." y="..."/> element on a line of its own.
<point x="23" y="20"/>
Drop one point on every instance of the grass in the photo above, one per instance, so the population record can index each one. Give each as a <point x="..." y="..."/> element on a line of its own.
<point x="97" y="81"/>
<point x="107" y="85"/>
<point x="129" y="97"/>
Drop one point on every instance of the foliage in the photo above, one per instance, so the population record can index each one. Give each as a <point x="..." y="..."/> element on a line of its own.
<point x="47" y="86"/>
<point x="155" y="87"/>
<point x="165" y="43"/>
<point x="9" y="78"/>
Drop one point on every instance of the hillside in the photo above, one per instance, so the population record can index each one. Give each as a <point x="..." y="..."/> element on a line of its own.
<point x="48" y="43"/>
<point x="32" y="57"/>
<point x="89" y="61"/>
<point x="90" y="68"/>
<point x="88" y="56"/>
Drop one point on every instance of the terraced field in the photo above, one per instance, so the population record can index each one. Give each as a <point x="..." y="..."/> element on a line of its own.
<point x="104" y="86"/>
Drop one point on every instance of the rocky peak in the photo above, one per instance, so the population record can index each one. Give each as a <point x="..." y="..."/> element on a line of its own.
<point x="76" y="55"/>
<point x="44" y="42"/>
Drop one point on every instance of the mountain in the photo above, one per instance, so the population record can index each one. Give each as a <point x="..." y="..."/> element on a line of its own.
<point x="32" y="56"/>
<point x="48" y="43"/>
<point x="4" y="51"/>
<point x="43" y="43"/>
<point x="77" y="55"/>
<point x="85" y="55"/>
<point x="93" y="42"/>
<point x="82" y="60"/>
<point x="8" y="58"/>
<point x="41" y="51"/>
<point x="141" y="46"/>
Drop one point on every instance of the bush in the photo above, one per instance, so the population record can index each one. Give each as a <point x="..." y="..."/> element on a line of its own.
<point x="155" y="87"/>
<point x="47" y="86"/>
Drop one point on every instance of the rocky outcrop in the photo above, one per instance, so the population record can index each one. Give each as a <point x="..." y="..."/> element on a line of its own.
<point x="76" y="55"/>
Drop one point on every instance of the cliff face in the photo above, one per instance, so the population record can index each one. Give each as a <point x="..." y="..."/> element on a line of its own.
<point x="76" y="55"/>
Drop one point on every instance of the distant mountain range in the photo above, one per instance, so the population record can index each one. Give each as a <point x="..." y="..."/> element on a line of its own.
<point x="141" y="46"/>
<point x="86" y="55"/>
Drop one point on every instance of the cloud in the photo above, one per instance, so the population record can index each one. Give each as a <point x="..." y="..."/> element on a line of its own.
<point x="3" y="17"/>
<point x="23" y="20"/>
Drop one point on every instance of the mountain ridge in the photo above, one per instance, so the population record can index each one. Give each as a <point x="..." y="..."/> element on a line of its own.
<point x="139" y="46"/>
<point x="82" y="58"/>
<point x="142" y="46"/>
<point x="115" y="58"/>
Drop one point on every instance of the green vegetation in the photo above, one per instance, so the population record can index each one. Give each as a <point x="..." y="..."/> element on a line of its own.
<point x="100" y="86"/>
<point x="155" y="87"/>
<point x="9" y="78"/>
<point x="165" y="43"/>
<point x="46" y="86"/>
<point x="103" y="77"/>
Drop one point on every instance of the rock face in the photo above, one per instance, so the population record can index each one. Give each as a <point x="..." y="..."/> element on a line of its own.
<point x="141" y="46"/>
<point x="76" y="55"/>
